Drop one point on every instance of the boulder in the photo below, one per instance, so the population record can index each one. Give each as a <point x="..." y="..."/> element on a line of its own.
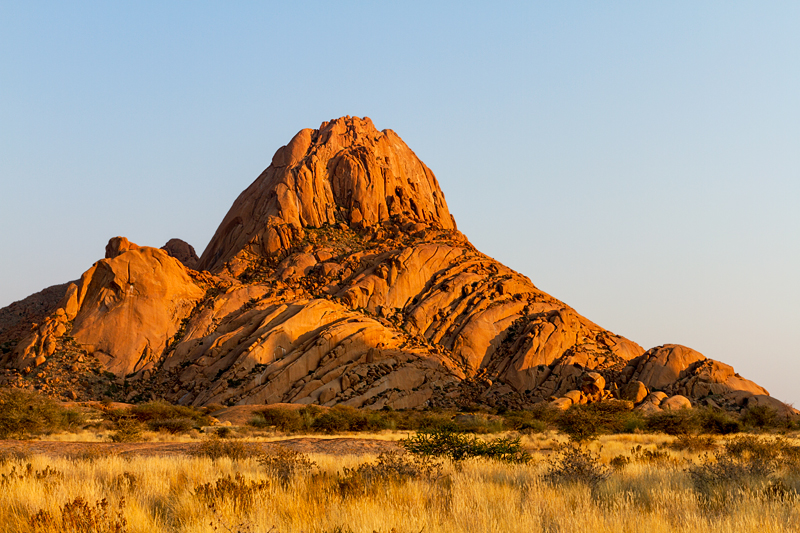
<point x="182" y="251"/>
<point x="592" y="383"/>
<point x="656" y="398"/>
<point x="635" y="392"/>
<point x="561" y="403"/>
<point x="675" y="403"/>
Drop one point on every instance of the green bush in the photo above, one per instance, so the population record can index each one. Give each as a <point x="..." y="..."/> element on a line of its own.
<point x="458" y="446"/>
<point x="586" y="422"/>
<point x="717" y="422"/>
<point x="764" y="418"/>
<point x="286" y="420"/>
<point x="526" y="421"/>
<point x="24" y="414"/>
<point x="161" y="414"/>
<point x="679" y="422"/>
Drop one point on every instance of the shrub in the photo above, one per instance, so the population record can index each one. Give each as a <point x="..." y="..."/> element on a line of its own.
<point x="680" y="422"/>
<point x="342" y="418"/>
<point x="643" y="455"/>
<point x="160" y="415"/>
<point x="692" y="443"/>
<point x="78" y="516"/>
<point x="575" y="464"/>
<point x="215" y="448"/>
<point x="458" y="447"/>
<point x="24" y="414"/>
<point x="172" y="425"/>
<point x="48" y="476"/>
<point x="744" y="464"/>
<point x="239" y="491"/>
<point x="284" y="464"/>
<point x="286" y="420"/>
<point x="763" y="417"/>
<point x="586" y="422"/>
<point x="717" y="422"/>
<point x="524" y="422"/>
<point x="128" y="430"/>
<point x="390" y="467"/>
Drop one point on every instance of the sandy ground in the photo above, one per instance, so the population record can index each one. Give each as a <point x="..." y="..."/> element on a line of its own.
<point x="329" y="446"/>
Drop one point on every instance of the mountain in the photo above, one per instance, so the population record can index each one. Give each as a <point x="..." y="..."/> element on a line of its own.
<point x="339" y="277"/>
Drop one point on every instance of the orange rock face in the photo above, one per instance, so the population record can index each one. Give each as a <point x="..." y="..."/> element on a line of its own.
<point x="345" y="172"/>
<point x="339" y="277"/>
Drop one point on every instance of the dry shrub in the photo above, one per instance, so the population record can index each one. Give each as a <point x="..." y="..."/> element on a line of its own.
<point x="48" y="476"/>
<point x="692" y="443"/>
<point x="284" y="464"/>
<point x="128" y="430"/>
<point x="215" y="448"/>
<point x="390" y="467"/>
<point x="78" y="516"/>
<point x="7" y="456"/>
<point x="240" y="492"/>
<point x="746" y="464"/>
<point x="159" y="416"/>
<point x="124" y="482"/>
<point x="24" y="414"/>
<point x="639" y="454"/>
<point x="680" y="422"/>
<point x="575" y="464"/>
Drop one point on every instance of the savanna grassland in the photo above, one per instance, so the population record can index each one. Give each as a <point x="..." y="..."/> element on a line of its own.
<point x="432" y="479"/>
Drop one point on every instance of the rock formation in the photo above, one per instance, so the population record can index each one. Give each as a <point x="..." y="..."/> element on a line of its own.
<point x="183" y="252"/>
<point x="16" y="319"/>
<point x="339" y="277"/>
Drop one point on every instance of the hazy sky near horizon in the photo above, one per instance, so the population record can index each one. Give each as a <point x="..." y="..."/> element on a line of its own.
<point x="638" y="160"/>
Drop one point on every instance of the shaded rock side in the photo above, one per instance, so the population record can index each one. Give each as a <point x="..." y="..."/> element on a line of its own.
<point x="344" y="172"/>
<point x="183" y="252"/>
<point x="123" y="311"/>
<point x="252" y="346"/>
<point x="16" y="319"/>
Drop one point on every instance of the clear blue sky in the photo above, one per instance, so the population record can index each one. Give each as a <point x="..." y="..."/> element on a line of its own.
<point x="638" y="160"/>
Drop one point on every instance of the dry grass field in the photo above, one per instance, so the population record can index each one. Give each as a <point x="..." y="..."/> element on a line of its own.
<point x="648" y="490"/>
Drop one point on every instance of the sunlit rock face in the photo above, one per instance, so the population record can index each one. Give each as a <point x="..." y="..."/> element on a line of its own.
<point x="339" y="277"/>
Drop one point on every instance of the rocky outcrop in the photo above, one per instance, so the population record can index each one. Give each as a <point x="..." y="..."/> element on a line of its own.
<point x="16" y="319"/>
<point x="678" y="370"/>
<point x="123" y="311"/>
<point x="339" y="277"/>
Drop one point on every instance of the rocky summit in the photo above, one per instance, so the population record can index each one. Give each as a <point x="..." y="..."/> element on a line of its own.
<point x="339" y="277"/>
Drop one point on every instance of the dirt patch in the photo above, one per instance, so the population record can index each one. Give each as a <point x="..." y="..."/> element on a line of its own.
<point x="329" y="446"/>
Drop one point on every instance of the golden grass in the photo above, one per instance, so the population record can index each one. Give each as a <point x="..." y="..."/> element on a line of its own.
<point x="480" y="496"/>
